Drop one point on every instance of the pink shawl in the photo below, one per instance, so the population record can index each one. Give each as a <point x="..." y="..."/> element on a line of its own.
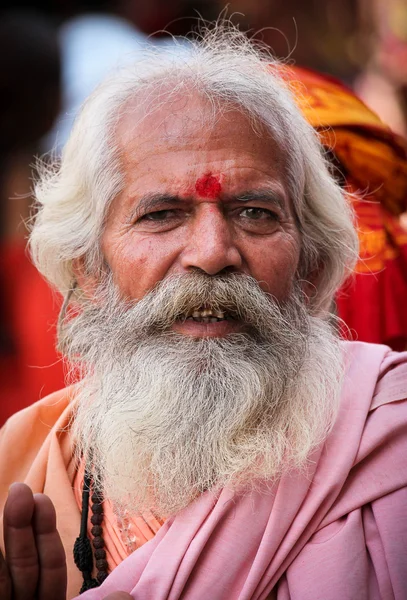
<point x="337" y="532"/>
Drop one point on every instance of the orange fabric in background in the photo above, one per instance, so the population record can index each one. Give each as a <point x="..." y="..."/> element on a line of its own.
<point x="373" y="161"/>
<point x="369" y="152"/>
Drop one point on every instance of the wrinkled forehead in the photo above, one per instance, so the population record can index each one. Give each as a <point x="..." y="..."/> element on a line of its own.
<point x="171" y="116"/>
<point x="183" y="119"/>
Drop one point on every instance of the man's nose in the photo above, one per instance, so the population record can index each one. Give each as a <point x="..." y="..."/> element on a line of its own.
<point x="211" y="245"/>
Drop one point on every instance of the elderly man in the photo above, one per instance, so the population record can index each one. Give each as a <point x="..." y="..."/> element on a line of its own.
<point x="221" y="442"/>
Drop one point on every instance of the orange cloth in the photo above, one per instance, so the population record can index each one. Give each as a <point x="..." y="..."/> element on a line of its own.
<point x="123" y="536"/>
<point x="368" y="151"/>
<point x="373" y="161"/>
<point x="39" y="452"/>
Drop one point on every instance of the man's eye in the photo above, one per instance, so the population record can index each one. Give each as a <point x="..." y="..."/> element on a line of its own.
<point x="257" y="214"/>
<point x="159" y="215"/>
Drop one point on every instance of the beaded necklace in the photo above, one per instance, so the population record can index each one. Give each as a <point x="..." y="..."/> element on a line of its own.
<point x="82" y="551"/>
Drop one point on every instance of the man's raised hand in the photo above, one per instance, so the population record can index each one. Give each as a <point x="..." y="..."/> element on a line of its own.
<point x="34" y="566"/>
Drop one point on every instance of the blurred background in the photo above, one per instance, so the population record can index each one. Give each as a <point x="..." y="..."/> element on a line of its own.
<point x="54" y="52"/>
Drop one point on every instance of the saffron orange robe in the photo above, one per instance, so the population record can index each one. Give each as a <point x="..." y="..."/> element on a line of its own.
<point x="38" y="450"/>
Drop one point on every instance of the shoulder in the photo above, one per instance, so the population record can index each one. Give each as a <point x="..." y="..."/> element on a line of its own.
<point x="392" y="381"/>
<point x="376" y="384"/>
<point x="375" y="370"/>
<point x="384" y="442"/>
<point x="26" y="432"/>
<point x="40" y="416"/>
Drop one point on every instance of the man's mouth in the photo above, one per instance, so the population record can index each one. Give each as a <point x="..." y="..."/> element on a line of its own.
<point x="202" y="321"/>
<point x="207" y="315"/>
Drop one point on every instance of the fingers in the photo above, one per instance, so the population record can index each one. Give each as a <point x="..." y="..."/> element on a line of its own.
<point x="5" y="581"/>
<point x="34" y="552"/>
<point x="21" y="550"/>
<point x="51" y="554"/>
<point x="118" y="596"/>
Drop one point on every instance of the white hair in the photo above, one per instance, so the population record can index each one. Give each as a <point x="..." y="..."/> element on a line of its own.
<point x="226" y="68"/>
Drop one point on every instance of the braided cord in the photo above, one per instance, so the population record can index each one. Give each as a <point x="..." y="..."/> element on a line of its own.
<point x="82" y="550"/>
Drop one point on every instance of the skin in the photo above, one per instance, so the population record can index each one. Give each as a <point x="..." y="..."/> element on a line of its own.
<point x="220" y="204"/>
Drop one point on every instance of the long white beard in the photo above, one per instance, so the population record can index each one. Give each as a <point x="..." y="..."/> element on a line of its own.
<point x="162" y="417"/>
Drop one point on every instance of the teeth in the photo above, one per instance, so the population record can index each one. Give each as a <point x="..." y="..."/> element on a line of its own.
<point x="206" y="319"/>
<point x="207" y="312"/>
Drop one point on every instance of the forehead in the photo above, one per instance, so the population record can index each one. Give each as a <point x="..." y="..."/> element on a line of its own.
<point x="183" y="139"/>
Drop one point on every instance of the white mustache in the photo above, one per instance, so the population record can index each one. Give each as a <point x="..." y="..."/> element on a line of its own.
<point x="239" y="295"/>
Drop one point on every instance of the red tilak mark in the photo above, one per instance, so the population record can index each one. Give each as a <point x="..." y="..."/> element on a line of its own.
<point x="208" y="186"/>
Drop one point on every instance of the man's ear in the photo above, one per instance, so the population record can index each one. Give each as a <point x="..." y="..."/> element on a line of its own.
<point x="87" y="282"/>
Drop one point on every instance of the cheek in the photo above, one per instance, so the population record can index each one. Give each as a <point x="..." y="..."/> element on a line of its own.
<point x="275" y="270"/>
<point x="139" y="265"/>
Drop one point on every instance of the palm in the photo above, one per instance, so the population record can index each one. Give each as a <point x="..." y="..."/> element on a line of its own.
<point x="34" y="567"/>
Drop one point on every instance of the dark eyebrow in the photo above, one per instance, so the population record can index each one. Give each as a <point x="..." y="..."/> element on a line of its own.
<point x="149" y="202"/>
